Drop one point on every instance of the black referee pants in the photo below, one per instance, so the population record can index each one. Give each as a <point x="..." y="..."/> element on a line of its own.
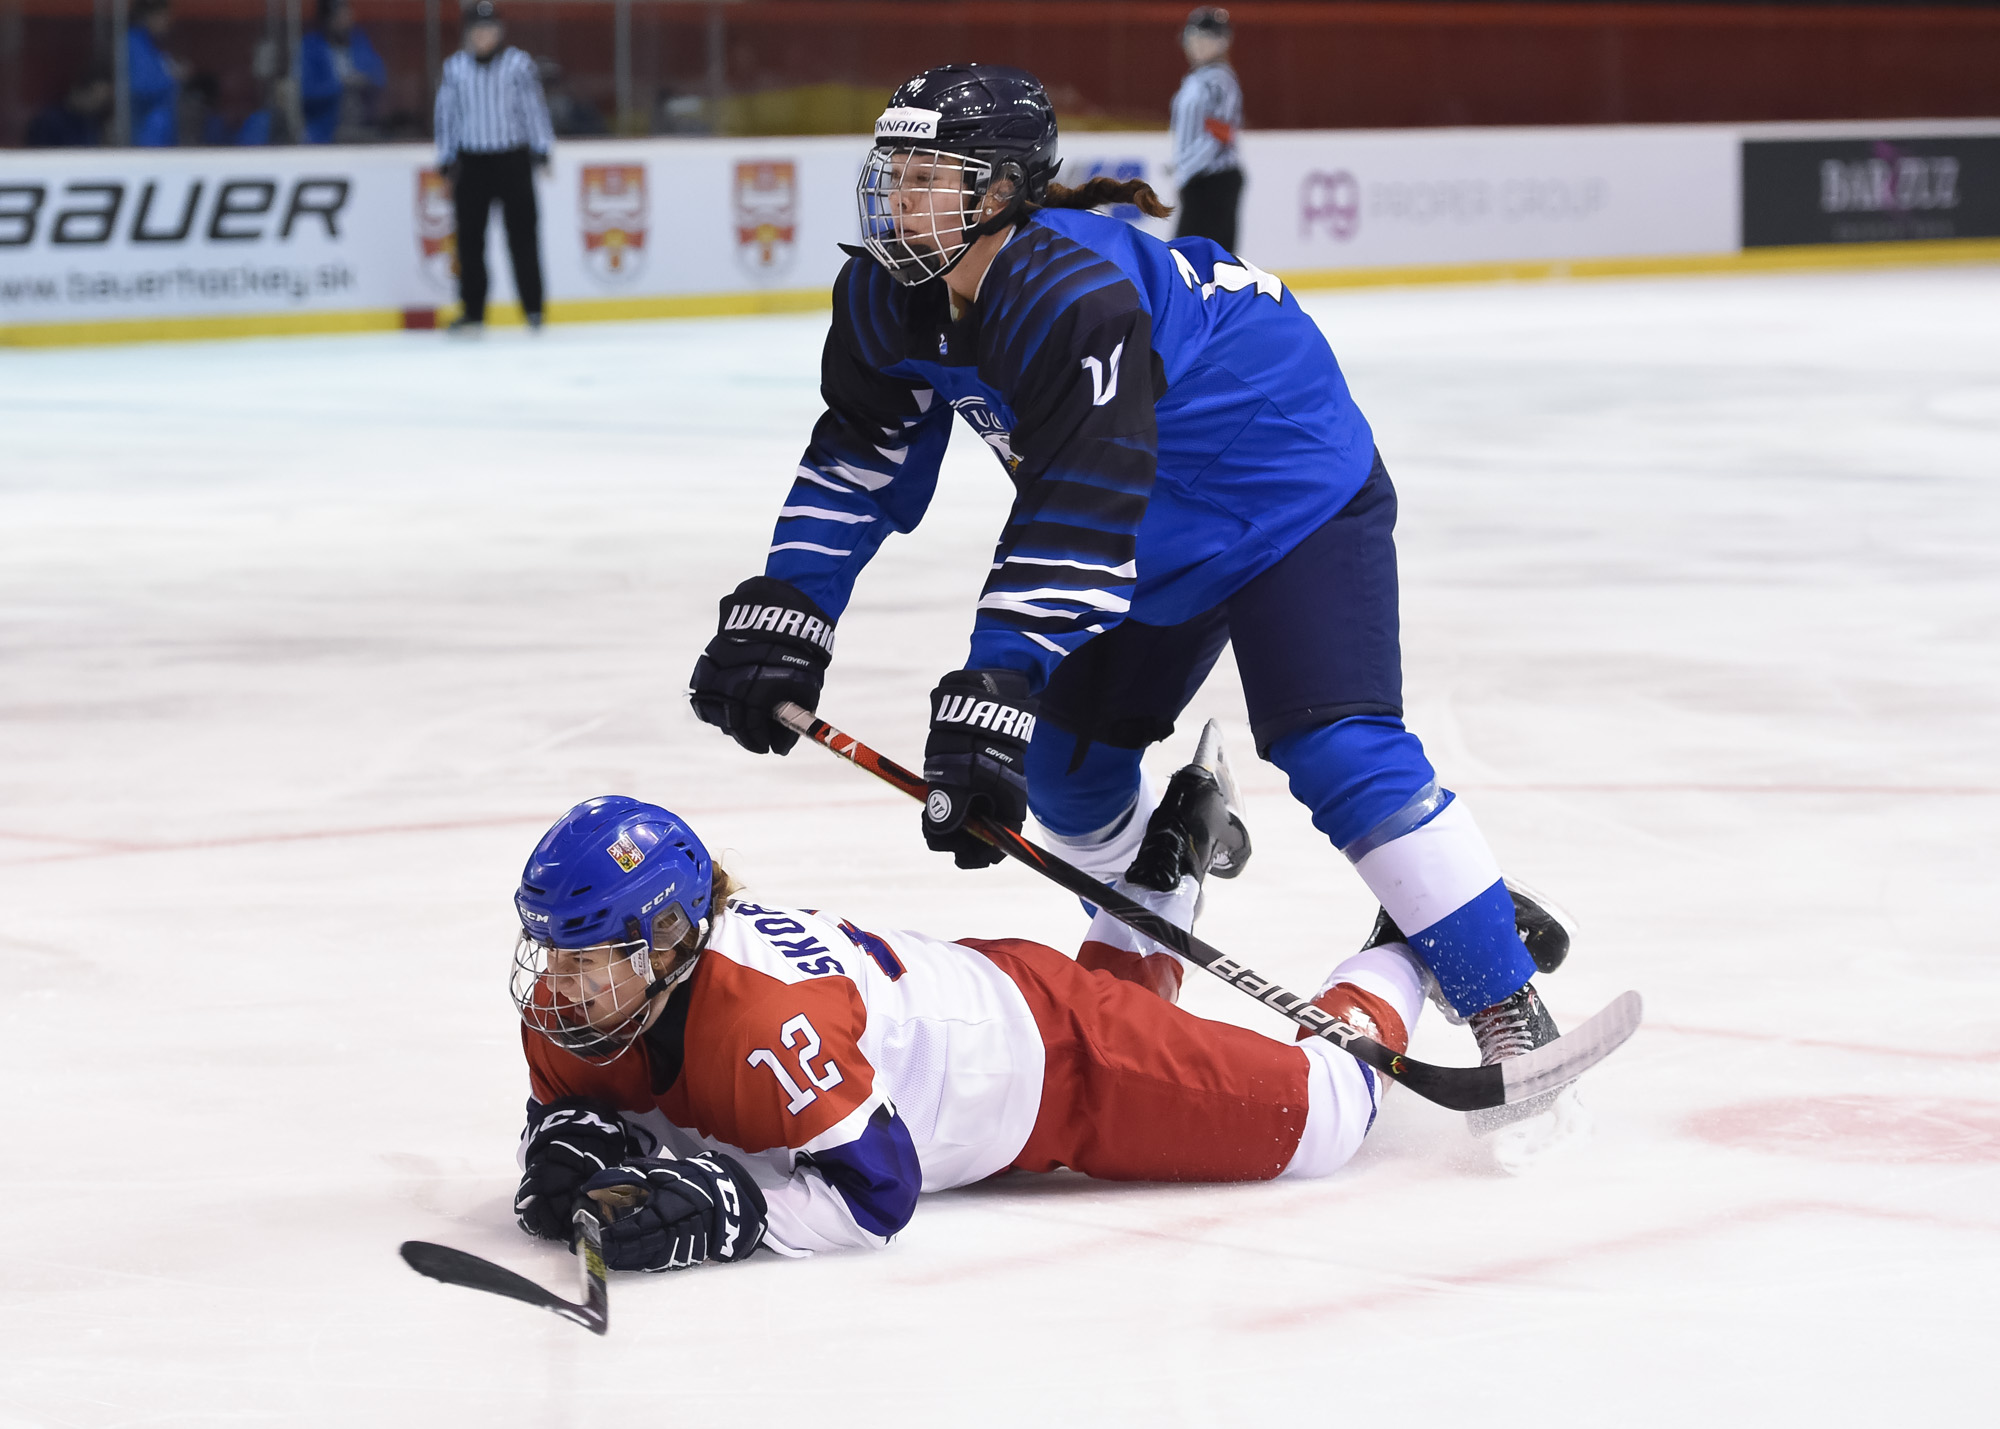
<point x="1208" y="206"/>
<point x="507" y="178"/>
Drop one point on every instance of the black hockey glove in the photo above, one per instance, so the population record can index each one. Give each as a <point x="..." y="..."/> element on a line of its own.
<point x="772" y="645"/>
<point x="706" y="1208"/>
<point x="976" y="760"/>
<point x="568" y="1142"/>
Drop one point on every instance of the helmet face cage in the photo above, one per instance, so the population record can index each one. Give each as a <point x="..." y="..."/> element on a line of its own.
<point x="919" y="208"/>
<point x="593" y="1002"/>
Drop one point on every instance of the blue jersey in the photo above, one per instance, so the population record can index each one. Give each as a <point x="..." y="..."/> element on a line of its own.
<point x="1172" y="422"/>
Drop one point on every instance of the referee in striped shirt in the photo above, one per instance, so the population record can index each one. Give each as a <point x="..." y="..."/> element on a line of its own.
<point x="1208" y="111"/>
<point x="492" y="132"/>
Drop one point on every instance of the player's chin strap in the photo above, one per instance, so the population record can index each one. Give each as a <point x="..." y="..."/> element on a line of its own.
<point x="682" y="967"/>
<point x="1010" y="212"/>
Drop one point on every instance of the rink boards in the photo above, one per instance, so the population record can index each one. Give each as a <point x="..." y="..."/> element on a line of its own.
<point x="134" y="245"/>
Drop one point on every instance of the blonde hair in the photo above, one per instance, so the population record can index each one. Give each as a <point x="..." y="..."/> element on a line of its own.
<point x="722" y="886"/>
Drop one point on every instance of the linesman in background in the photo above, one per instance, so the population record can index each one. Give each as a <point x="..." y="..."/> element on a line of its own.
<point x="492" y="134"/>
<point x="1208" y="112"/>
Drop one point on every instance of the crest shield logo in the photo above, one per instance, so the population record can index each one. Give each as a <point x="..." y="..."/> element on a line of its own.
<point x="437" y="230"/>
<point x="614" y="221"/>
<point x="767" y="214"/>
<point x="626" y="854"/>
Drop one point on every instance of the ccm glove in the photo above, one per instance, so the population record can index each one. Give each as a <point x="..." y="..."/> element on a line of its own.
<point x="975" y="761"/>
<point x="772" y="645"/>
<point x="706" y="1208"/>
<point x="568" y="1141"/>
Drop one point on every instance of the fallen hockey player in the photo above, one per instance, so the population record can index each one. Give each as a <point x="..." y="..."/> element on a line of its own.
<point x="778" y="1076"/>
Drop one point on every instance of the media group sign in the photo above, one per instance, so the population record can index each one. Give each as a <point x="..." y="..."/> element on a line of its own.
<point x="1470" y="196"/>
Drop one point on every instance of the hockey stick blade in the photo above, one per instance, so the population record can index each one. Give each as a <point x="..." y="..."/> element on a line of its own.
<point x="457" y="1267"/>
<point x="1458" y="1088"/>
<point x="1558" y="1063"/>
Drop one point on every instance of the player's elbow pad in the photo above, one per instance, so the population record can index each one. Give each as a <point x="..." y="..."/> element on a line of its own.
<point x="877" y="1174"/>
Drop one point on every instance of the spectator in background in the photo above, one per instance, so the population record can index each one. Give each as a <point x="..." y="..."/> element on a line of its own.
<point x="571" y="115"/>
<point x="199" y="121"/>
<point x="77" y="120"/>
<point x="153" y="77"/>
<point x="1208" y="112"/>
<point x="493" y="131"/>
<point x="270" y="122"/>
<point x="340" y="76"/>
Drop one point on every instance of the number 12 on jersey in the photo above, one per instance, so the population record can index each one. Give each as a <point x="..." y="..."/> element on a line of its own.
<point x="799" y="1036"/>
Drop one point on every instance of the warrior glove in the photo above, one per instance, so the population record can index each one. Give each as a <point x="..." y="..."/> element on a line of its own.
<point x="706" y="1208"/>
<point x="567" y="1142"/>
<point x="772" y="645"/>
<point x="976" y="760"/>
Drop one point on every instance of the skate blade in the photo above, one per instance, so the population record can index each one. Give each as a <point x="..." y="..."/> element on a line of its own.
<point x="1208" y="754"/>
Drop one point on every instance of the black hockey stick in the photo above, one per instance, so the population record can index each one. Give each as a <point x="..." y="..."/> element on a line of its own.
<point x="458" y="1267"/>
<point x="1514" y="1080"/>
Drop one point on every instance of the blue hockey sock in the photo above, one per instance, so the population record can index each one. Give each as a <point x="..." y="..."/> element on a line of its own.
<point x="1073" y="803"/>
<point x="1374" y="794"/>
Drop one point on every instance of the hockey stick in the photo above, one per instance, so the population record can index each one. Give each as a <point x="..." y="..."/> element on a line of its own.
<point x="1514" y="1080"/>
<point x="458" y="1267"/>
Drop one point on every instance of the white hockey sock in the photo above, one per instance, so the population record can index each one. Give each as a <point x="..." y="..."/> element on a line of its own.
<point x="1179" y="907"/>
<point x="1342" y="1096"/>
<point x="1392" y="973"/>
<point x="1106" y="853"/>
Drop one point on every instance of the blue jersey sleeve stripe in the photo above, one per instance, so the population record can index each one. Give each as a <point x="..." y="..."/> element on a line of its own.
<point x="1040" y="311"/>
<point x="1059" y="541"/>
<point x="817" y="513"/>
<point x="1050" y="273"/>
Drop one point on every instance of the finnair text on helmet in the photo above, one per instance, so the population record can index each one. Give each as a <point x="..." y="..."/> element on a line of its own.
<point x="907" y="124"/>
<point x="781" y="620"/>
<point x="986" y="714"/>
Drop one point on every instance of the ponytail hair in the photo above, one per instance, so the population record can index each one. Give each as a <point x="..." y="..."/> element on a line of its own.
<point x="1097" y="192"/>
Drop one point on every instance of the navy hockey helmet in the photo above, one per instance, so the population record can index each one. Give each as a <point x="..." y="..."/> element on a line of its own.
<point x="946" y="138"/>
<point x="606" y="898"/>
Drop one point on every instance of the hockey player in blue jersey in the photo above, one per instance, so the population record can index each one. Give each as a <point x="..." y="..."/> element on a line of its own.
<point x="1189" y="470"/>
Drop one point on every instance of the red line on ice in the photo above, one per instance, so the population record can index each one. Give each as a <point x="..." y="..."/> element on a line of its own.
<point x="1924" y="1054"/>
<point x="104" y="848"/>
<point x="1528" y="1267"/>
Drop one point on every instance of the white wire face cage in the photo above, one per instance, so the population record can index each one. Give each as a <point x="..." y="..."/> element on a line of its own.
<point x="919" y="208"/>
<point x="592" y="1002"/>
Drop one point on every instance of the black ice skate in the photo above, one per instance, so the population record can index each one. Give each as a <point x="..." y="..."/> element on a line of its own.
<point x="1515" y="1025"/>
<point x="1196" y="829"/>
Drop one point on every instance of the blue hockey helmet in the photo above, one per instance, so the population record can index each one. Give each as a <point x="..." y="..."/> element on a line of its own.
<point x="609" y="898"/>
<point x="946" y="138"/>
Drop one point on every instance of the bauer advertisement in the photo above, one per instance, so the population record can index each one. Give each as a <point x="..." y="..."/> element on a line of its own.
<point x="126" y="236"/>
<point x="151" y="243"/>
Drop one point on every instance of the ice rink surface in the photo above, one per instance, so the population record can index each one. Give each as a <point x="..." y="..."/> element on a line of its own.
<point x="304" y="642"/>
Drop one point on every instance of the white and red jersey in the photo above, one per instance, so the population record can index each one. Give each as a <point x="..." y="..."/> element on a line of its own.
<point x="851" y="1069"/>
